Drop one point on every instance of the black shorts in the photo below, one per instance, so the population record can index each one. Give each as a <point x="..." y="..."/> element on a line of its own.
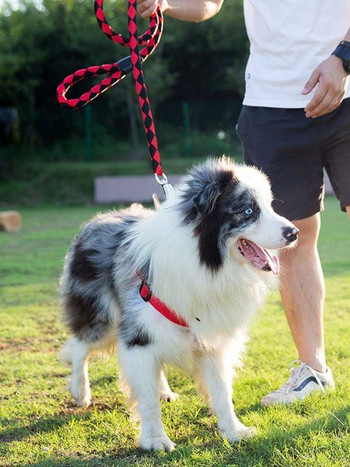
<point x="293" y="151"/>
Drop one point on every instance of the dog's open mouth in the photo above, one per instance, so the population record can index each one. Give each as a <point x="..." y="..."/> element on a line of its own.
<point x="259" y="257"/>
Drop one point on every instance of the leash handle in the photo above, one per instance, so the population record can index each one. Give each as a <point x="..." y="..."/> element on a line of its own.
<point x="154" y="30"/>
<point x="116" y="71"/>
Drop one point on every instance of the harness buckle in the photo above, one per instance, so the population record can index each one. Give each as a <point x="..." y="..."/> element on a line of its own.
<point x="166" y="186"/>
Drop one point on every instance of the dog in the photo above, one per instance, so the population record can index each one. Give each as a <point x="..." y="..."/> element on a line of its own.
<point x="178" y="286"/>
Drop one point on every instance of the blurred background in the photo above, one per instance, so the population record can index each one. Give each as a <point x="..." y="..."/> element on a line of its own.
<point x="195" y="81"/>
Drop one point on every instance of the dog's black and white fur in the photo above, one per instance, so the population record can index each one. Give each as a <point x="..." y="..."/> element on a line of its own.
<point x="199" y="254"/>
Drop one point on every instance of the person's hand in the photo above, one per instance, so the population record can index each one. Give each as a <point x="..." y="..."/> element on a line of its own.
<point x="146" y="8"/>
<point x="332" y="81"/>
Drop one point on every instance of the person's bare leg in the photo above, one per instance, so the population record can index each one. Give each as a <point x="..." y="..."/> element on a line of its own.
<point x="303" y="292"/>
<point x="348" y="211"/>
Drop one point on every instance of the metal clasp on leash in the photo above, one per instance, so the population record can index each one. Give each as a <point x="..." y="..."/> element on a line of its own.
<point x="163" y="181"/>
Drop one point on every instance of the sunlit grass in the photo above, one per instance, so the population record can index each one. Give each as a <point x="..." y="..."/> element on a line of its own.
<point x="39" y="425"/>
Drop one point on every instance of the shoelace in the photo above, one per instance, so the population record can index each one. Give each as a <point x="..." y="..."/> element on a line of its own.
<point x="296" y="376"/>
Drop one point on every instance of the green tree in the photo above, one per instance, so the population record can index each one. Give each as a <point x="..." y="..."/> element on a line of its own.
<point x="40" y="45"/>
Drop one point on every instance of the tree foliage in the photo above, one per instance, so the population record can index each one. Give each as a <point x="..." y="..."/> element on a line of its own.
<point x="42" y="43"/>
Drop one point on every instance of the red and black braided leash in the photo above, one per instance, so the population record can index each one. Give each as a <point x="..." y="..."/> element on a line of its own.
<point x="117" y="71"/>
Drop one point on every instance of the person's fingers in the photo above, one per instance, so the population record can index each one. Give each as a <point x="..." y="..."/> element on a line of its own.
<point x="328" y="104"/>
<point x="329" y="82"/>
<point x="311" y="83"/>
<point x="321" y="104"/>
<point x="146" y="8"/>
<point x="316" y="101"/>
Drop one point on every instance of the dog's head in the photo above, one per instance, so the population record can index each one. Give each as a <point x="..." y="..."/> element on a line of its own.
<point x="230" y="209"/>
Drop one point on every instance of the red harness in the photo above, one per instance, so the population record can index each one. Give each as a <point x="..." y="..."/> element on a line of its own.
<point x="161" y="307"/>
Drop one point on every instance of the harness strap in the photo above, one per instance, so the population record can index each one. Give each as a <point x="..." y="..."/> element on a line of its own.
<point x="147" y="296"/>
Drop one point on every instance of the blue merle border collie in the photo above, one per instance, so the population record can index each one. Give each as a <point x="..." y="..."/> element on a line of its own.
<point x="205" y="255"/>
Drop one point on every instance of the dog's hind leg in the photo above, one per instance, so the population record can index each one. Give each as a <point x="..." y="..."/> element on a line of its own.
<point x="76" y="353"/>
<point x="215" y="372"/>
<point x="141" y="372"/>
<point x="166" y="394"/>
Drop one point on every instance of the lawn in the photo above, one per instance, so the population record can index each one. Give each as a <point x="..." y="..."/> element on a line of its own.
<point x="40" y="426"/>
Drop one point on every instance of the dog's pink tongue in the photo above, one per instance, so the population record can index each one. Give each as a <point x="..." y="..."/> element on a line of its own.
<point x="273" y="262"/>
<point x="260" y="257"/>
<point x="269" y="262"/>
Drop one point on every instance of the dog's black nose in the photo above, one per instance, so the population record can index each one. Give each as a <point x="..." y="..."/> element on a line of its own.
<point x="290" y="234"/>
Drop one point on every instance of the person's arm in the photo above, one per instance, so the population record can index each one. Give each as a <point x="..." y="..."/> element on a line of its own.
<point x="332" y="81"/>
<point x="185" y="10"/>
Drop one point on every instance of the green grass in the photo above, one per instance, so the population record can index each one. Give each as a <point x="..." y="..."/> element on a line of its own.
<point x="40" y="426"/>
<point x="61" y="183"/>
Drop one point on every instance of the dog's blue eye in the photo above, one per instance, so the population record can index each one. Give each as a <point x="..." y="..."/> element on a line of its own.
<point x="248" y="212"/>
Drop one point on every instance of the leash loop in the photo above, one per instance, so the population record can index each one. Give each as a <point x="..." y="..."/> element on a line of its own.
<point x="155" y="26"/>
<point x="115" y="71"/>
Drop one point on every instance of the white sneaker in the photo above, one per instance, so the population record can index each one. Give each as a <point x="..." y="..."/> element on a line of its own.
<point x="302" y="381"/>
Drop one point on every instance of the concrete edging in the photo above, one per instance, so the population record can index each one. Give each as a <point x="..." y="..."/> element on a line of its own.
<point x="124" y="189"/>
<point x="139" y="188"/>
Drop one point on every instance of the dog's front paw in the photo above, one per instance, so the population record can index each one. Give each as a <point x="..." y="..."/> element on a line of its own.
<point x="156" y="443"/>
<point x="84" y="402"/>
<point x="241" y="432"/>
<point x="168" y="396"/>
<point x="81" y="395"/>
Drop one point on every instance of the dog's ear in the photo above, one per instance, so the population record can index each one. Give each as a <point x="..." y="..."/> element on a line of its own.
<point x="205" y="200"/>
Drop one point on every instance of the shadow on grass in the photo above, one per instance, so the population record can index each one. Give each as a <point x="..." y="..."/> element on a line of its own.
<point x="44" y="425"/>
<point x="261" y="450"/>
